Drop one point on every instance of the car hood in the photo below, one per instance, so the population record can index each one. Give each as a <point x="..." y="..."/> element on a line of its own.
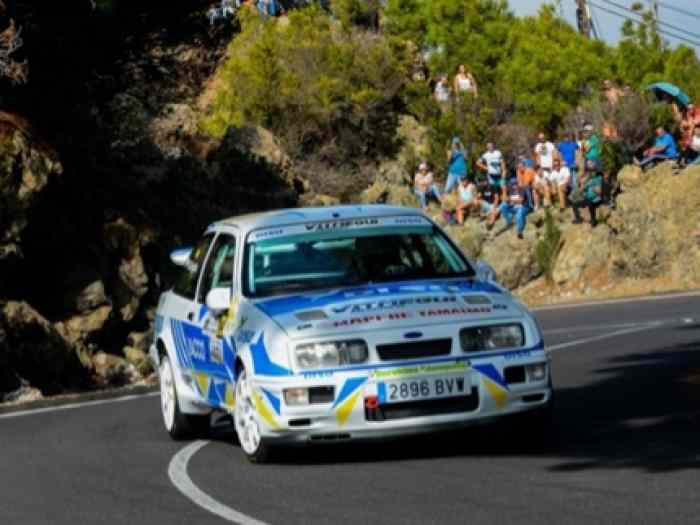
<point x="388" y="306"/>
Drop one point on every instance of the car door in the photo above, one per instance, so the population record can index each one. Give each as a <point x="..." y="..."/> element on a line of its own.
<point x="215" y="368"/>
<point x="185" y="311"/>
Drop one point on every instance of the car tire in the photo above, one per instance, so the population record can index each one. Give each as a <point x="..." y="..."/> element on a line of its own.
<point x="178" y="424"/>
<point x="245" y="420"/>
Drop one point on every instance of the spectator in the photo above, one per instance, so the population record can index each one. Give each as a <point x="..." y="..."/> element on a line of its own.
<point x="611" y="93"/>
<point x="517" y="206"/>
<point x="489" y="200"/>
<point x="544" y="156"/>
<point x="468" y="199"/>
<point x="557" y="183"/>
<point x="591" y="144"/>
<point x="464" y="82"/>
<point x="690" y="120"/>
<point x="268" y="7"/>
<point x="442" y="90"/>
<point x="664" y="148"/>
<point x="691" y="154"/>
<point x="424" y="186"/>
<point x="590" y="194"/>
<point x="568" y="152"/>
<point x="493" y="163"/>
<point x="457" y="165"/>
<point x="526" y="176"/>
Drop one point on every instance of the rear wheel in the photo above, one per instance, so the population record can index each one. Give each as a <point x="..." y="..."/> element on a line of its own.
<point x="179" y="425"/>
<point x="246" y="422"/>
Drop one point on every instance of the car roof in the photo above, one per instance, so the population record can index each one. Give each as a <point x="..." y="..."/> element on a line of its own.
<point x="284" y="217"/>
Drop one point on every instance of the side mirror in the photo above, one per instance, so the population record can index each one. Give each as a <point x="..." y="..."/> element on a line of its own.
<point x="485" y="272"/>
<point x="218" y="300"/>
<point x="181" y="256"/>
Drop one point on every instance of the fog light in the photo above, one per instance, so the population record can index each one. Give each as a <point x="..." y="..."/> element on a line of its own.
<point x="536" y="372"/>
<point x="296" y="396"/>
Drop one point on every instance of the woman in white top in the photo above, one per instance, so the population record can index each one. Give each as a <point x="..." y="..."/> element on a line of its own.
<point x="442" y="89"/>
<point x="464" y="81"/>
<point x="694" y="146"/>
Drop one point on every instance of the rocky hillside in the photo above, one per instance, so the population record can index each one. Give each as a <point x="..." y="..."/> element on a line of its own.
<point x="97" y="191"/>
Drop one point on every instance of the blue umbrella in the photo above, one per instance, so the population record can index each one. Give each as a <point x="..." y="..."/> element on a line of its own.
<point x="670" y="89"/>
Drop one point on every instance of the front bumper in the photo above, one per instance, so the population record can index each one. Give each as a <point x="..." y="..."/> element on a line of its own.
<point x="354" y="414"/>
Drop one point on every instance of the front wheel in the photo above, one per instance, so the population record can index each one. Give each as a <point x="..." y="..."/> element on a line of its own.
<point x="179" y="425"/>
<point x="246" y="422"/>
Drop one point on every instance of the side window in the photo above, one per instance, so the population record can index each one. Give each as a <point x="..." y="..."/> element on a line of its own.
<point x="186" y="281"/>
<point x="218" y="272"/>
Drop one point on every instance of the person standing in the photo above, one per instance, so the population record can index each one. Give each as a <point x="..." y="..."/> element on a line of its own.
<point x="464" y="82"/>
<point x="544" y="156"/>
<point x="591" y="194"/>
<point x="493" y="163"/>
<point x="591" y="144"/>
<point x="568" y="152"/>
<point x="442" y="90"/>
<point x="456" y="165"/>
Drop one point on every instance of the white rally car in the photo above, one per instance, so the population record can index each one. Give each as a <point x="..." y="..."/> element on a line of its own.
<point x="340" y="323"/>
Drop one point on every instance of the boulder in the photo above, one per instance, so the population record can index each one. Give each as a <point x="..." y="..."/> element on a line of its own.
<point x="32" y="349"/>
<point x="24" y="394"/>
<point x="112" y="370"/>
<point x="80" y="327"/>
<point x="513" y="259"/>
<point x="139" y="359"/>
<point x="583" y="250"/>
<point x="469" y="237"/>
<point x="630" y="177"/>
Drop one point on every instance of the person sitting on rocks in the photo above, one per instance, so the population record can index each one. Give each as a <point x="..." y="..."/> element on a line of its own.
<point x="590" y="193"/>
<point x="516" y="206"/>
<point x="664" y="148"/>
<point x="471" y="199"/>
<point x="424" y="186"/>
<point x="557" y="183"/>
<point x="691" y="155"/>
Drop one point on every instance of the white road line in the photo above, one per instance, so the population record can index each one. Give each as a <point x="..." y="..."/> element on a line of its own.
<point x="586" y="328"/>
<point x="643" y="299"/>
<point x="81" y="404"/>
<point x="638" y="328"/>
<point x="177" y="471"/>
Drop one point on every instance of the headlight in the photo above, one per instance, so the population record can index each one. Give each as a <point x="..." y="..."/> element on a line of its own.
<point x="331" y="353"/>
<point x="484" y="338"/>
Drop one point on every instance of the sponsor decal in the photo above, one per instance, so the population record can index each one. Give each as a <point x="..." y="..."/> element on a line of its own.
<point x="518" y="355"/>
<point x="464" y="310"/>
<point x="216" y="351"/>
<point x="197" y="349"/>
<point x="390" y="304"/>
<point x="340" y="224"/>
<point x="438" y="368"/>
<point x="316" y="374"/>
<point x="266" y="234"/>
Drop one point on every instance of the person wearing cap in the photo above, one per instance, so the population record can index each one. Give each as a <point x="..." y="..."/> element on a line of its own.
<point x="456" y="165"/>
<point x="424" y="186"/>
<point x="591" y="193"/>
<point x="664" y="148"/>
<point x="591" y="144"/>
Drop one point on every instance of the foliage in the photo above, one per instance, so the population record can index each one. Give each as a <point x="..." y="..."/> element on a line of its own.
<point x="356" y="13"/>
<point x="548" y="247"/>
<point x="321" y="90"/>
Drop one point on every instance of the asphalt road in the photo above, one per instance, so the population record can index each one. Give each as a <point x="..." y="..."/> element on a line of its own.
<point x="625" y="448"/>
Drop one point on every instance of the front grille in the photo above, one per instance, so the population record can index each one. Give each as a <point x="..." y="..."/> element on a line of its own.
<point x="414" y="349"/>
<point x="431" y="407"/>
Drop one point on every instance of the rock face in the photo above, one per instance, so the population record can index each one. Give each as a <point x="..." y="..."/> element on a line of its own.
<point x="33" y="351"/>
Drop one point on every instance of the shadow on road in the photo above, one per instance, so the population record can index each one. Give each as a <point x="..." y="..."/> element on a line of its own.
<point x="641" y="410"/>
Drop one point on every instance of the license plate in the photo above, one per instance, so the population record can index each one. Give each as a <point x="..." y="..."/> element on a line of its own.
<point x="423" y="388"/>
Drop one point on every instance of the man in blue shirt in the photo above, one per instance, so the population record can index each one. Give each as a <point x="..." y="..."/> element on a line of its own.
<point x="664" y="148"/>
<point x="457" y="165"/>
<point x="568" y="149"/>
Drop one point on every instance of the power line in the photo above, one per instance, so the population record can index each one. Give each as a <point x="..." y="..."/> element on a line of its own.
<point x="597" y="28"/>
<point x="660" y="22"/>
<point x="680" y="10"/>
<point x="661" y="31"/>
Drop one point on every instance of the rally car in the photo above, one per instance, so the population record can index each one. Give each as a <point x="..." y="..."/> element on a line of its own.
<point x="340" y="323"/>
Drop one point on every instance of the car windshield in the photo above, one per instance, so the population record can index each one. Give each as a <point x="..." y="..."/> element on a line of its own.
<point x="326" y="258"/>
